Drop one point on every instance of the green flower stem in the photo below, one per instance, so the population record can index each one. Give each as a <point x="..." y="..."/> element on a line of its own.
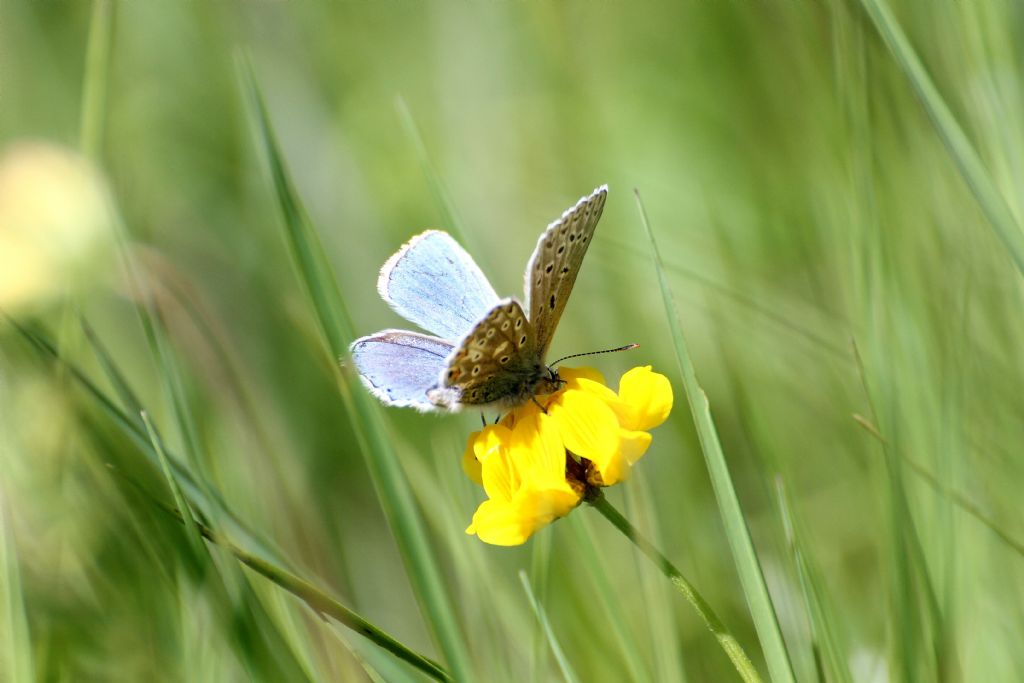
<point x="728" y="641"/>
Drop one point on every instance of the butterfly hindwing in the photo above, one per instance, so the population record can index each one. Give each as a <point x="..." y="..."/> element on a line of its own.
<point x="555" y="263"/>
<point x="496" y="362"/>
<point x="434" y="283"/>
<point x="400" y="367"/>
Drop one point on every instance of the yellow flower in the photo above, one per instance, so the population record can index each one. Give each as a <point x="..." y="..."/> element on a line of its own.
<point x="540" y="461"/>
<point x="522" y="469"/>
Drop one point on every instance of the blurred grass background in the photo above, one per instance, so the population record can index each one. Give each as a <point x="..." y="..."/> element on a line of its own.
<point x="803" y="201"/>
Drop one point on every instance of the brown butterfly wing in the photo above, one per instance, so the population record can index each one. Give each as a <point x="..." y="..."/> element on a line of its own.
<point x="498" y="362"/>
<point x="555" y="263"/>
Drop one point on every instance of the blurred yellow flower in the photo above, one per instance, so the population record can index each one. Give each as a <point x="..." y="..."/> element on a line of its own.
<point x="542" y="459"/>
<point x="54" y="222"/>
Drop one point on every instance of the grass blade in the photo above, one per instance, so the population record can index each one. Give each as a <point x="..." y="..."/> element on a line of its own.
<point x="17" y="646"/>
<point x="955" y="497"/>
<point x="657" y="599"/>
<point x="609" y="600"/>
<point x="966" y="158"/>
<point x="567" y="671"/>
<point x="257" y="554"/>
<point x="122" y="388"/>
<point x="910" y="561"/>
<point x="275" y="654"/>
<point x="94" y="81"/>
<point x="208" y="502"/>
<point x="316" y="599"/>
<point x="821" y="617"/>
<point x="184" y="511"/>
<point x="320" y="285"/>
<point x="437" y="186"/>
<point x="763" y="612"/>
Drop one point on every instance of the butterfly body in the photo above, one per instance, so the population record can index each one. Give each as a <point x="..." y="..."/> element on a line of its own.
<point x="509" y="391"/>
<point x="496" y="358"/>
<point x="496" y="365"/>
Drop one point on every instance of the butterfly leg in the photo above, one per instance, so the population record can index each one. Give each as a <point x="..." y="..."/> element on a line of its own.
<point x="538" y="404"/>
<point x="483" y="419"/>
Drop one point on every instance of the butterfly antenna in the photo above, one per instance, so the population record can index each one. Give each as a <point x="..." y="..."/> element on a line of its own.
<point x="627" y="347"/>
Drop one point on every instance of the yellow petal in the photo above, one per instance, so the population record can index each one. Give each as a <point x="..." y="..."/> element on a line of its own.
<point x="624" y="411"/>
<point x="491" y="441"/>
<point x="632" y="446"/>
<point x="571" y="375"/>
<point x="498" y="524"/>
<point x="538" y="452"/>
<point x="517" y="415"/>
<point x="470" y="465"/>
<point x="648" y="396"/>
<point x="492" y="452"/>
<point x="513" y="522"/>
<point x="616" y="468"/>
<point x="589" y="428"/>
<point x="597" y="389"/>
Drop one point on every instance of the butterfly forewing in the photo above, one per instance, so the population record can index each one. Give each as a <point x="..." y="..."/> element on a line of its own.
<point x="556" y="262"/>
<point x="434" y="283"/>
<point x="497" y="361"/>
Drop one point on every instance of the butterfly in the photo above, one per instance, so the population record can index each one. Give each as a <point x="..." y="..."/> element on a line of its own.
<point x="488" y="352"/>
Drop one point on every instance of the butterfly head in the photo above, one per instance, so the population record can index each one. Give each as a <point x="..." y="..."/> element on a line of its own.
<point x="550" y="382"/>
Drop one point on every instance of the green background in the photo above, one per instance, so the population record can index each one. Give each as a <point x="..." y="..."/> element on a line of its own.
<point x="803" y="201"/>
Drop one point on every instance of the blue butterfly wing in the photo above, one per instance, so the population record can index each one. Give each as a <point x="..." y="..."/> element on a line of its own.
<point x="434" y="283"/>
<point x="399" y="367"/>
